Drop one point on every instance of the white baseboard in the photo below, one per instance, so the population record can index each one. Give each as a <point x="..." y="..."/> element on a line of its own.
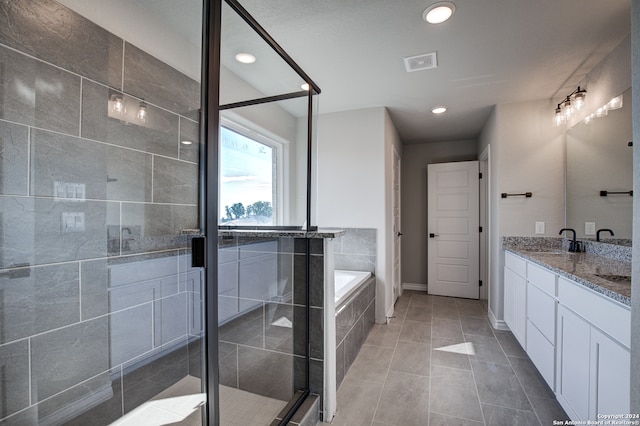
<point x="496" y="323"/>
<point x="413" y="286"/>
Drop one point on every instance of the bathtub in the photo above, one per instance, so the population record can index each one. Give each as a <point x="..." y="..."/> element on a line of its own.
<point x="346" y="282"/>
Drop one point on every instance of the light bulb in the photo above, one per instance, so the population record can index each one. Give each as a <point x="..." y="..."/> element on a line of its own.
<point x="117" y="104"/>
<point x="588" y="119"/>
<point x="142" y="112"/>
<point x="615" y="103"/>
<point x="559" y="118"/>
<point x="578" y="100"/>
<point x="567" y="108"/>
<point x="601" y="112"/>
<point x="305" y="87"/>
<point x="439" y="110"/>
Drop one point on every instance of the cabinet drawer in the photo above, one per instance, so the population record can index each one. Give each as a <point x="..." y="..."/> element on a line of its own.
<point x="542" y="354"/>
<point x="541" y="311"/>
<point x="542" y="278"/>
<point x="515" y="263"/>
<point x="604" y="313"/>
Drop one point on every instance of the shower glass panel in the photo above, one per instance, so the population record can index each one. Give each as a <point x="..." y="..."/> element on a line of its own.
<point x="101" y="312"/>
<point x="265" y="186"/>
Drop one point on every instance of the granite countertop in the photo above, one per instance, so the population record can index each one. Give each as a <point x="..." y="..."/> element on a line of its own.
<point x="267" y="233"/>
<point x="584" y="268"/>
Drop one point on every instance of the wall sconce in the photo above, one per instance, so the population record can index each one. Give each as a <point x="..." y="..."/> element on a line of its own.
<point x="567" y="108"/>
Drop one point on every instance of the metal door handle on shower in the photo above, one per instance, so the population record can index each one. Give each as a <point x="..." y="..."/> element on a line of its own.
<point x="433" y="235"/>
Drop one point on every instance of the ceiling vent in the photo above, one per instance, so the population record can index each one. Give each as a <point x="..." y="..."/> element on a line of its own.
<point x="421" y="62"/>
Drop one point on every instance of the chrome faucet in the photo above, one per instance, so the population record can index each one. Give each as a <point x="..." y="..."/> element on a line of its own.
<point x="574" y="246"/>
<point x="605" y="230"/>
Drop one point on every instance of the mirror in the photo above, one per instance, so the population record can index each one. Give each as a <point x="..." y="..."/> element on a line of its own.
<point x="599" y="158"/>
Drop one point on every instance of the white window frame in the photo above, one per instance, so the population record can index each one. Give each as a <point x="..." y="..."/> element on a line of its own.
<point x="281" y="148"/>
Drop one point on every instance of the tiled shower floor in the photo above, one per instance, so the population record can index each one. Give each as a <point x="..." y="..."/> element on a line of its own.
<point x="439" y="362"/>
<point x="179" y="405"/>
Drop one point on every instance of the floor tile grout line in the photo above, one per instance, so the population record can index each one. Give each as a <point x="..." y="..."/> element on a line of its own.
<point x="523" y="390"/>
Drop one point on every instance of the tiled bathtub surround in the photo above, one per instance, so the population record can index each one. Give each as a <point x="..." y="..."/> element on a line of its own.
<point x="99" y="307"/>
<point x="354" y="320"/>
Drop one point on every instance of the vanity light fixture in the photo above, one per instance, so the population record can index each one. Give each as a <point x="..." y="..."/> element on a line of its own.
<point x="567" y="108"/>
<point x="615" y="103"/>
<point x="439" y="110"/>
<point x="142" y="111"/>
<point x="439" y="12"/>
<point x="603" y="111"/>
<point x="245" y="58"/>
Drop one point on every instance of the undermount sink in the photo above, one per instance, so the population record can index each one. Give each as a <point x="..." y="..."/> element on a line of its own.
<point x="622" y="279"/>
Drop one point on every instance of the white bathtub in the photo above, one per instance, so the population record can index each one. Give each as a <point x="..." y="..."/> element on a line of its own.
<point x="347" y="282"/>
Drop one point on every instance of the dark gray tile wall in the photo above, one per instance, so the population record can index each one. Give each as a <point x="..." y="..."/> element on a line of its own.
<point x="356" y="250"/>
<point x="262" y="336"/>
<point x="354" y="319"/>
<point x="99" y="306"/>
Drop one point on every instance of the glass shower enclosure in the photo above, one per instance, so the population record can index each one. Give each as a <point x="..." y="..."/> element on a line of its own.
<point x="101" y="311"/>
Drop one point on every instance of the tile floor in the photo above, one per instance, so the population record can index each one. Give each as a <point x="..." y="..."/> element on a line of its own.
<point x="439" y="362"/>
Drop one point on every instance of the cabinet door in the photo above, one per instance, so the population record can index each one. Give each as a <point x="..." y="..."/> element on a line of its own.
<point x="573" y="366"/>
<point x="521" y="310"/>
<point x="510" y="298"/>
<point x="611" y="372"/>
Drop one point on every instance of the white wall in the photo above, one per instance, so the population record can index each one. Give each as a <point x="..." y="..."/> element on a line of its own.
<point x="527" y="155"/>
<point x="354" y="182"/>
<point x="414" y="200"/>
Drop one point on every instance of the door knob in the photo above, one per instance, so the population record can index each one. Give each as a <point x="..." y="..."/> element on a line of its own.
<point x="400" y="234"/>
<point x="433" y="235"/>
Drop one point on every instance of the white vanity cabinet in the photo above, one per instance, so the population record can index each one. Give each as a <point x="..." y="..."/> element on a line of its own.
<point x="577" y="338"/>
<point x="593" y="353"/>
<point x="515" y="296"/>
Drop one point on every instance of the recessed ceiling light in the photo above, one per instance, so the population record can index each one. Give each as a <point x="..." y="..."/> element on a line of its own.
<point x="305" y="86"/>
<point x="245" y="58"/>
<point x="438" y="109"/>
<point x="438" y="12"/>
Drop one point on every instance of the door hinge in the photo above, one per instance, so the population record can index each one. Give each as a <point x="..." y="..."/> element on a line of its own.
<point x="481" y="229"/>
<point x="480" y="283"/>
<point x="480" y="175"/>
<point x="198" y="252"/>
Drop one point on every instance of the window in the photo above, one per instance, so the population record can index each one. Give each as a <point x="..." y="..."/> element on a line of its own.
<point x="248" y="179"/>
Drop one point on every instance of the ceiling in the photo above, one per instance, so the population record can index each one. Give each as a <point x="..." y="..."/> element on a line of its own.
<point x="490" y="52"/>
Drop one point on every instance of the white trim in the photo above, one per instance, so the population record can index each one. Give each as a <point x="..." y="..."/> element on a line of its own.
<point x="414" y="286"/>
<point x="390" y="314"/>
<point x="496" y="323"/>
<point x="330" y="386"/>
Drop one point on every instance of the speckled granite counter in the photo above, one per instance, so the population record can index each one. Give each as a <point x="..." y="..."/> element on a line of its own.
<point x="584" y="268"/>
<point x="267" y="233"/>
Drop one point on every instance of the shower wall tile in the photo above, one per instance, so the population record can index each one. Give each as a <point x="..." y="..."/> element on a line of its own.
<point x="37" y="94"/>
<point x="56" y="34"/>
<point x="316" y="280"/>
<point x="14" y="363"/>
<point x="278" y="325"/>
<point x="265" y="373"/>
<point x="170" y="318"/>
<point x="151" y="79"/>
<point x="159" y="135"/>
<point x="157" y="226"/>
<point x="105" y="391"/>
<point x="189" y="132"/>
<point x="144" y="380"/>
<point x="95" y="288"/>
<point x="39" y="299"/>
<point x="106" y="172"/>
<point x="14" y="141"/>
<point x="130" y="333"/>
<point x="174" y="181"/>
<point x="37" y="231"/>
<point x="67" y="356"/>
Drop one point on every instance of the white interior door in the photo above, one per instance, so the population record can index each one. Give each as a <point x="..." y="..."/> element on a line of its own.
<point x="395" y="205"/>
<point x="453" y="226"/>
